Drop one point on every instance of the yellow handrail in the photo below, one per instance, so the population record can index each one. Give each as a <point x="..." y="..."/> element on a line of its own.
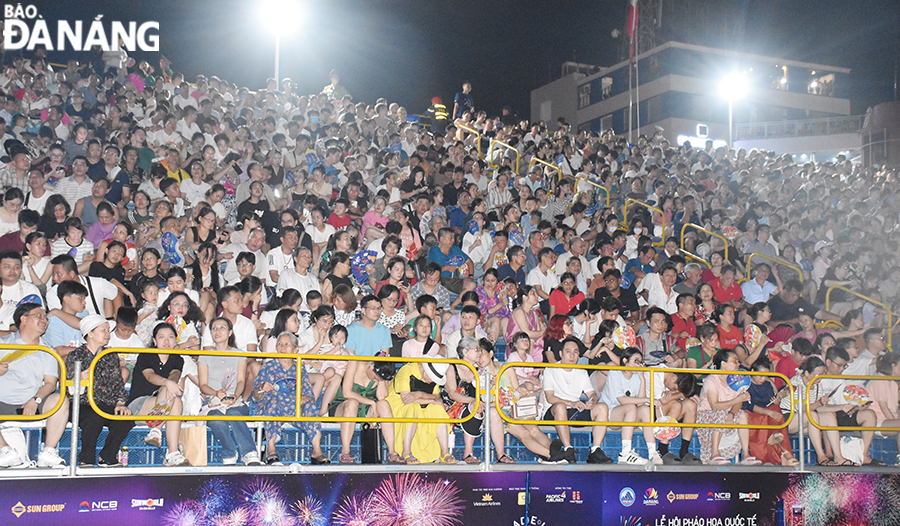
<point x="890" y="322"/>
<point x="588" y="181"/>
<point x="662" y="238"/>
<point x="535" y="160"/>
<point x="697" y="258"/>
<point x="62" y="381"/>
<point x="774" y="260"/>
<point x="700" y="228"/>
<point x="847" y="377"/>
<point x="477" y="137"/>
<point x="298" y="417"/>
<point x="650" y="391"/>
<point x="503" y="144"/>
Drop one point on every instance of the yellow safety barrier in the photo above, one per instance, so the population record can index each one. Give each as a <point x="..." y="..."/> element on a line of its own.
<point x="477" y="137"/>
<point x="298" y="418"/>
<point x="592" y="183"/>
<point x="847" y="377"/>
<point x="650" y="390"/>
<point x="508" y="147"/>
<point x="62" y="381"/>
<point x="700" y="228"/>
<point x="774" y="260"/>
<point x="535" y="160"/>
<point x="662" y="238"/>
<point x="887" y="309"/>
<point x="696" y="258"/>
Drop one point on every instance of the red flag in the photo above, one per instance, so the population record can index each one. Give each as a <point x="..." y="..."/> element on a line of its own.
<point x="631" y="25"/>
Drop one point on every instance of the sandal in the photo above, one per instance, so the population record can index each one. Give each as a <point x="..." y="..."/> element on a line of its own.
<point x="847" y="463"/>
<point x="394" y="458"/>
<point x="825" y="461"/>
<point x="449" y="459"/>
<point x="273" y="461"/>
<point x="470" y="459"/>
<point x="719" y="461"/>
<point x="751" y="461"/>
<point x="347" y="459"/>
<point x="409" y="459"/>
<point x="505" y="459"/>
<point x="319" y="460"/>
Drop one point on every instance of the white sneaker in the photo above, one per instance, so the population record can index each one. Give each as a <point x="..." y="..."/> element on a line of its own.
<point x="631" y="457"/>
<point x="9" y="458"/>
<point x="232" y="461"/>
<point x="175" y="458"/>
<point x="154" y="437"/>
<point x="49" y="458"/>
<point x="251" y="459"/>
<point x="656" y="459"/>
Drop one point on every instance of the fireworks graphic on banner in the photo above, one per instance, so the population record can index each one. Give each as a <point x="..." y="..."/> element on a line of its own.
<point x="844" y="498"/>
<point x="309" y="512"/>
<point x="406" y="499"/>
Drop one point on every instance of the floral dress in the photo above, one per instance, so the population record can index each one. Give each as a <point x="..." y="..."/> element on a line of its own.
<point x="487" y="302"/>
<point x="282" y="401"/>
<point x="729" y="445"/>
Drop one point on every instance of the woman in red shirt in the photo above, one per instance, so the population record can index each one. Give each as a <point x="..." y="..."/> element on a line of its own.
<point x="730" y="336"/>
<point x="565" y="297"/>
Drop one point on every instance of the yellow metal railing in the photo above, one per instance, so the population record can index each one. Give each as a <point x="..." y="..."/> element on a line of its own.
<point x="506" y="146"/>
<point x="847" y="377"/>
<point x="477" y="135"/>
<point x="662" y="238"/>
<point x="62" y="381"/>
<point x="298" y="417"/>
<point x="697" y="258"/>
<point x="592" y="183"/>
<point x="701" y="229"/>
<point x="774" y="260"/>
<point x="535" y="160"/>
<point x="887" y="309"/>
<point x="649" y="394"/>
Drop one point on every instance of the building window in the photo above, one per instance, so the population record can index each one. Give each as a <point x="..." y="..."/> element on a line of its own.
<point x="654" y="107"/>
<point x="584" y="95"/>
<point x="605" y="123"/>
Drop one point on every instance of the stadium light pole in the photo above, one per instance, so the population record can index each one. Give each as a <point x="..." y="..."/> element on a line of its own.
<point x="280" y="16"/>
<point x="732" y="87"/>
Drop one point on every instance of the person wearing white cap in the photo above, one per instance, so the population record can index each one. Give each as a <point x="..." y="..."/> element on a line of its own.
<point x="109" y="393"/>
<point x="415" y="393"/>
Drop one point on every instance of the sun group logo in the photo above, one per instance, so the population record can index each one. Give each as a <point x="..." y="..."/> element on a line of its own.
<point x="748" y="497"/>
<point x="18" y="35"/>
<point x="626" y="497"/>
<point x="718" y="496"/>
<point x="671" y="497"/>
<point x="18" y="509"/>
<point x="651" y="497"/>
<point x="146" y="504"/>
<point x="556" y="497"/>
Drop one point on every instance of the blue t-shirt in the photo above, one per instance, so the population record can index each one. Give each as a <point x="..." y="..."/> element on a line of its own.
<point x="456" y="257"/>
<point x="61" y="333"/>
<point x="365" y="342"/>
<point x="628" y="276"/>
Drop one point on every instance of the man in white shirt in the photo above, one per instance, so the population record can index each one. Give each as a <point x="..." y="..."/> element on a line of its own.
<point x="101" y="293"/>
<point x="245" y="336"/>
<point x="253" y="245"/>
<point x="78" y="185"/>
<point x="299" y="278"/>
<point x="577" y="249"/>
<point x="14" y="288"/>
<point x="541" y="277"/>
<point x="660" y="287"/>
<point x="280" y="259"/>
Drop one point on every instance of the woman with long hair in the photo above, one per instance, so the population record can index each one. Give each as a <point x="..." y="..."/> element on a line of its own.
<point x="36" y="268"/>
<point x="53" y="220"/>
<point x="338" y="270"/>
<point x="492" y="300"/>
<point x="527" y="318"/>
<point x="185" y="317"/>
<point x="205" y="278"/>
<point x="566" y="296"/>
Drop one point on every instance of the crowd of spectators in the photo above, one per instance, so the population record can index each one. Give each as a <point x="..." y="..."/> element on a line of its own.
<point x="140" y="210"/>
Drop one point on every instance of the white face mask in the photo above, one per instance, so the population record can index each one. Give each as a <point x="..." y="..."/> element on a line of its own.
<point x="611" y="228"/>
<point x="638" y="231"/>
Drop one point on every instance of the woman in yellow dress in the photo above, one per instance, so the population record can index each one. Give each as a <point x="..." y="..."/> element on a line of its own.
<point x="415" y="393"/>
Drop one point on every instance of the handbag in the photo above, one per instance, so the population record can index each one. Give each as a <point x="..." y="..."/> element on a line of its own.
<point x="192" y="441"/>
<point x="370" y="443"/>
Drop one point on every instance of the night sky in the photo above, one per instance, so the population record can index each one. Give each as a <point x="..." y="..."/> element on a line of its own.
<point x="410" y="51"/>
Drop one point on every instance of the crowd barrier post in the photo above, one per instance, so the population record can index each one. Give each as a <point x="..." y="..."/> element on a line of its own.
<point x="662" y="238"/>
<point x="773" y="260"/>
<point x="800" y="430"/>
<point x="487" y="393"/>
<point x="701" y="229"/>
<point x="890" y="323"/>
<point x="76" y="417"/>
<point x="588" y="181"/>
<point x="504" y="145"/>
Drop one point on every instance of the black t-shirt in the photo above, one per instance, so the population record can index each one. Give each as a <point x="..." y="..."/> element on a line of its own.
<point x="99" y="270"/>
<point x="140" y="386"/>
<point x="627" y="298"/>
<point x="782" y="311"/>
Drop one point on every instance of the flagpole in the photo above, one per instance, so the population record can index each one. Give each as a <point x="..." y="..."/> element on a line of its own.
<point x="630" y="102"/>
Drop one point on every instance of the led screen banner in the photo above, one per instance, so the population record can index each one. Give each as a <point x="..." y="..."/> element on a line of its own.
<point x="538" y="498"/>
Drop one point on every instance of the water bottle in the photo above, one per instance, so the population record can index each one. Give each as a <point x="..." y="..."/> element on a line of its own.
<point x="123" y="456"/>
